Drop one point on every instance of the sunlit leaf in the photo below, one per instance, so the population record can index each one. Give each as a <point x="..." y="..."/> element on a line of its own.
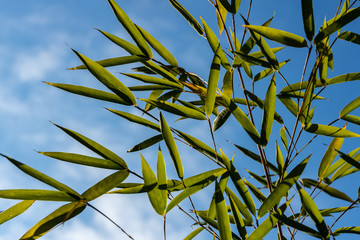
<point x="352" y="119"/>
<point x="336" y="165"/>
<point x="227" y="87"/>
<point x="330" y="131"/>
<point x="170" y="144"/>
<point x="267" y="72"/>
<point x="136" y="119"/>
<point x="284" y="138"/>
<point x="280" y="160"/>
<point x="191" y="20"/>
<point x="94" y="146"/>
<point x="252" y="60"/>
<point x="149" y="87"/>
<point x="352" y="161"/>
<point x="350" y="36"/>
<point x="146" y="143"/>
<point x="343" y="20"/>
<point x="15" y="210"/>
<point x="105" y="185"/>
<point x="239" y="222"/>
<point x="212" y="85"/>
<point x="220" y="119"/>
<point x="308" y="18"/>
<point x="329" y="156"/>
<point x="130" y="28"/>
<point x="353" y="230"/>
<point x="313" y="211"/>
<point x="194" y="233"/>
<point x="282" y="189"/>
<point x="222" y="214"/>
<point x="279" y="36"/>
<point x="116" y="61"/>
<point x="239" y="205"/>
<point x="162" y="71"/>
<point x="221" y="15"/>
<point x="60" y="215"/>
<point x="37" y="194"/>
<point x="106" y="78"/>
<point x="350" y="107"/>
<point x="154" y="80"/>
<point x="269" y="111"/>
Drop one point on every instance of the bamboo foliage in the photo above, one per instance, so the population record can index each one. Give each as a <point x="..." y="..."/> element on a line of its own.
<point x="237" y="208"/>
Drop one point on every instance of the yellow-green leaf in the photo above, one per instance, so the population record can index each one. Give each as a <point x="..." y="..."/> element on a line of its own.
<point x="116" y="61"/>
<point x="38" y="194"/>
<point x="105" y="185"/>
<point x="194" y="233"/>
<point x="221" y="15"/>
<point x="330" y="131"/>
<point x="329" y="156"/>
<point x="15" y="210"/>
<point x="239" y="205"/>
<point x="161" y="71"/>
<point x="308" y="18"/>
<point x="350" y="107"/>
<point x="269" y="112"/>
<point x="352" y="119"/>
<point x="239" y="222"/>
<point x="221" y="119"/>
<point x="146" y="143"/>
<point x="350" y="36"/>
<point x="353" y="230"/>
<point x="212" y="85"/>
<point x="235" y="4"/>
<point x="266" y="72"/>
<point x="154" y="80"/>
<point x="222" y="214"/>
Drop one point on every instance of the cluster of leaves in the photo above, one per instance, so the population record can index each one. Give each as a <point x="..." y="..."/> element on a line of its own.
<point x="238" y="210"/>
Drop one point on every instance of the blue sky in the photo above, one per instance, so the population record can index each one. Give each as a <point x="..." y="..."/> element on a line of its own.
<point x="33" y="48"/>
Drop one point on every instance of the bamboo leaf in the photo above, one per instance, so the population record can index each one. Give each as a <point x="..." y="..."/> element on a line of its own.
<point x="353" y="230"/>
<point x="235" y="4"/>
<point x="226" y="5"/>
<point x="194" y="233"/>
<point x="228" y="80"/>
<point x="155" y="195"/>
<point x="170" y="144"/>
<point x="258" y="194"/>
<point x="284" y="138"/>
<point x="109" y="80"/>
<point x="269" y="112"/>
<point x="252" y="60"/>
<point x="330" y="131"/>
<point x="154" y="80"/>
<point x="352" y="161"/>
<point x="329" y="156"/>
<point x="95" y="147"/>
<point x="290" y="104"/>
<point x="136" y="119"/>
<point x="221" y="15"/>
<point x="42" y="177"/>
<point x="177" y="109"/>
<point x="147" y="143"/>
<point x="242" y="119"/>
<point x="335" y="166"/>
<point x="161" y="71"/>
<point x="222" y="214"/>
<point x="350" y="36"/>
<point x="130" y="28"/>
<point x="90" y="92"/>
<point x="280" y="160"/>
<point x="279" y="36"/>
<point x="343" y="20"/>
<point x="15" y="210"/>
<point x="158" y="47"/>
<point x="211" y="213"/>
<point x="105" y="185"/>
<point x="191" y="20"/>
<point x="221" y="119"/>
<point x="308" y="18"/>
<point x="313" y="211"/>
<point x="239" y="205"/>
<point x="352" y="119"/>
<point x="149" y="87"/>
<point x="83" y="160"/>
<point x="350" y="107"/>
<point x="266" y="72"/>
<point x="327" y="189"/>
<point x="212" y="85"/>
<point x="116" y="61"/>
<point x="239" y="222"/>
<point x="283" y="188"/>
<point x="60" y="215"/>
<point x="37" y="194"/>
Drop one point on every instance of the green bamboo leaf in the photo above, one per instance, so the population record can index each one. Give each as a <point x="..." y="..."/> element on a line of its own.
<point x="298" y="95"/>
<point x="149" y="87"/>
<point x="284" y="138"/>
<point x="267" y="72"/>
<point x="215" y="45"/>
<point x="15" y="210"/>
<point x="194" y="233"/>
<point x="116" y="61"/>
<point x="352" y="161"/>
<point x="95" y="147"/>
<point x="83" y="160"/>
<point x="158" y="47"/>
<point x="60" y="215"/>
<point x="221" y="15"/>
<point x="335" y="80"/>
<point x="297" y="225"/>
<point x="153" y="96"/>
<point x="327" y="189"/>
<point x="154" y="80"/>
<point x="330" y="131"/>
<point x="335" y="166"/>
<point x="109" y="80"/>
<point x="226" y="5"/>
<point x="239" y="205"/>
<point x="137" y="188"/>
<point x="329" y="156"/>
<point x="171" y="146"/>
<point x="353" y="230"/>
<point x="105" y="185"/>
<point x="290" y="104"/>
<point x="221" y="119"/>
<point x="239" y="222"/>
<point x="37" y="194"/>
<point x="350" y="107"/>
<point x="227" y="87"/>
<point x="257" y="193"/>
<point x="264" y="47"/>
<point x="90" y="92"/>
<point x="269" y="112"/>
<point x="352" y="119"/>
<point x="212" y="85"/>
<point x="343" y="20"/>
<point x="162" y="181"/>
<point x="130" y="28"/>
<point x="267" y="225"/>
<point x="161" y="71"/>
<point x="280" y="160"/>
<point x="283" y="188"/>
<point x="252" y="60"/>
<point x="308" y="18"/>
<point x="279" y="36"/>
<point x="211" y="213"/>
<point x="235" y="4"/>
<point x="222" y="214"/>
<point x="146" y="143"/>
<point x="242" y="119"/>
<point x="129" y="47"/>
<point x="350" y="36"/>
<point x="260" y="179"/>
<point x="155" y="195"/>
<point x="313" y="211"/>
<point x="42" y="177"/>
<point x="136" y="119"/>
<point x="189" y="18"/>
